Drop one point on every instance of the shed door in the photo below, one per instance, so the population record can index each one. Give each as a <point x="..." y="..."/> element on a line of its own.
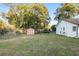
<point x="63" y="30"/>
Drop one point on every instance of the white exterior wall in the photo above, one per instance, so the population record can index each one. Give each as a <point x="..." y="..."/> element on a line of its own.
<point x="78" y="31"/>
<point x="59" y="27"/>
<point x="68" y="29"/>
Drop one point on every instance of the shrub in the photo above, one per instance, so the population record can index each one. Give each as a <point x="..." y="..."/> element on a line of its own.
<point x="3" y="31"/>
<point x="46" y="31"/>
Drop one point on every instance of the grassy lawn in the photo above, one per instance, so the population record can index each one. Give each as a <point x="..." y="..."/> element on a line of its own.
<point x="40" y="44"/>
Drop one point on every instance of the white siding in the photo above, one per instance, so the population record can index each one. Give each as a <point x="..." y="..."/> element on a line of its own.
<point x="59" y="28"/>
<point x="68" y="29"/>
<point x="78" y="31"/>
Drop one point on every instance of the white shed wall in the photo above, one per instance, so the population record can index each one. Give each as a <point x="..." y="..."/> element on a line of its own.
<point x="68" y="29"/>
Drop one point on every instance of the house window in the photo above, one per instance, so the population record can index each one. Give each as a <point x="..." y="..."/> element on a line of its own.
<point x="63" y="32"/>
<point x="63" y="28"/>
<point x="74" y="28"/>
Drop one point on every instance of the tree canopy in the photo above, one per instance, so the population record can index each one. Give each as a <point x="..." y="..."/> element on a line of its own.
<point x="67" y="10"/>
<point x="27" y="15"/>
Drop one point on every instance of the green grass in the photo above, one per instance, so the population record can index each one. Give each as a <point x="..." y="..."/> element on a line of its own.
<point x="39" y="45"/>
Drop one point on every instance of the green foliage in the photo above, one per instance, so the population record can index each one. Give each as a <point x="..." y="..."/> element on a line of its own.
<point x="27" y="15"/>
<point x="67" y="10"/>
<point x="2" y="28"/>
<point x="1" y="25"/>
<point x="3" y="31"/>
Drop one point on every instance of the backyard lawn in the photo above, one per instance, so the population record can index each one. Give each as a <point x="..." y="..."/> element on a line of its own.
<point x="44" y="44"/>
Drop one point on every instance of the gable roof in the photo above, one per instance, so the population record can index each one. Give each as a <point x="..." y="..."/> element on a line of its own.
<point x="74" y="21"/>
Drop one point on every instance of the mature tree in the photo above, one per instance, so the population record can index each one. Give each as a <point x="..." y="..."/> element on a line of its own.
<point x="12" y="15"/>
<point x="23" y="15"/>
<point x="66" y="10"/>
<point x="41" y="13"/>
<point x="27" y="15"/>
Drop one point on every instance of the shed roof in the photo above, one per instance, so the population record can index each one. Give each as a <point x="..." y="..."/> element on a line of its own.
<point x="74" y="21"/>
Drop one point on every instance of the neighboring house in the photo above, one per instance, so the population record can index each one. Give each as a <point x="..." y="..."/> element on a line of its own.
<point x="68" y="27"/>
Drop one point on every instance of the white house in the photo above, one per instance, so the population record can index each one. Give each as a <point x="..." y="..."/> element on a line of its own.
<point x="68" y="27"/>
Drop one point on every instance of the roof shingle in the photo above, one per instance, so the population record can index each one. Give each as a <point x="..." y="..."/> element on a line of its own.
<point x="74" y="21"/>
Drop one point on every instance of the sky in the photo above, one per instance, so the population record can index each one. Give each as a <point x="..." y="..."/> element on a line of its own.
<point x="52" y="9"/>
<point x="50" y="6"/>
